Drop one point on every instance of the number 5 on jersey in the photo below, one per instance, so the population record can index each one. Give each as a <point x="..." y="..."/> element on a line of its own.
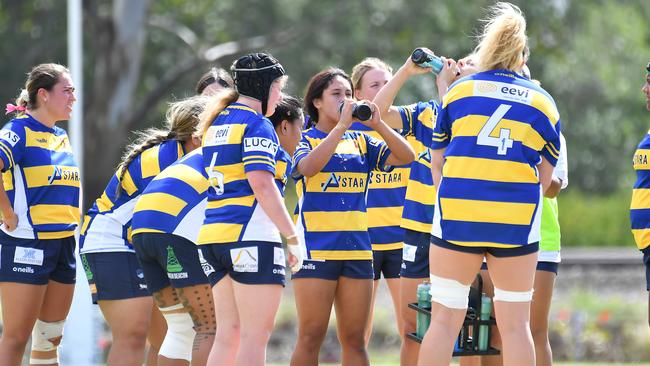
<point x="215" y="176"/>
<point x="503" y="142"/>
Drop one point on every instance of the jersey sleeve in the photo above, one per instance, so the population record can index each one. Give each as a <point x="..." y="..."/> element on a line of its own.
<point x="406" y="113"/>
<point x="441" y="135"/>
<point x="550" y="132"/>
<point x="303" y="149"/>
<point x="562" y="168"/>
<point x="12" y="145"/>
<point x="378" y="153"/>
<point x="418" y="120"/>
<point x="259" y="147"/>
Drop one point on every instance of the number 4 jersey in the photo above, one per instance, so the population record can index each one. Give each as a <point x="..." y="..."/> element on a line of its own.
<point x="240" y="141"/>
<point x="495" y="126"/>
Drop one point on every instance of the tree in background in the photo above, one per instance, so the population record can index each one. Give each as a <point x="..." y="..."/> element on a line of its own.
<point x="141" y="54"/>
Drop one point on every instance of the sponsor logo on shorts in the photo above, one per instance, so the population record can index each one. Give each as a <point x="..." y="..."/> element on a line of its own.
<point x="24" y="270"/>
<point x="177" y="276"/>
<point x="408" y="253"/>
<point x="279" y="271"/>
<point x="28" y="256"/>
<point x="139" y="273"/>
<point x="207" y="267"/>
<point x="173" y="266"/>
<point x="278" y="257"/>
<point x="310" y="266"/>
<point x="244" y="259"/>
<point x="142" y="286"/>
<point x="86" y="265"/>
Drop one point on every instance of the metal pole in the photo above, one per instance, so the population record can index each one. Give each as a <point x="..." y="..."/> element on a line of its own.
<point x="79" y="343"/>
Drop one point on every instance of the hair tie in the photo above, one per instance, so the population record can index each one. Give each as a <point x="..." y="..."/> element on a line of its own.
<point x="13" y="108"/>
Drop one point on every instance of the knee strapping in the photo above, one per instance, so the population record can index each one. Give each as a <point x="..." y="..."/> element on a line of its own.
<point x="449" y="293"/>
<point x="44" y="336"/>
<point x="512" y="296"/>
<point x="180" y="334"/>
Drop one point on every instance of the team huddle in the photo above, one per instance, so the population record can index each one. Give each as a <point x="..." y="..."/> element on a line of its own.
<point x="184" y="248"/>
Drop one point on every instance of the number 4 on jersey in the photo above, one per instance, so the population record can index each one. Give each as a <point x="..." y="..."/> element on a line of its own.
<point x="503" y="142"/>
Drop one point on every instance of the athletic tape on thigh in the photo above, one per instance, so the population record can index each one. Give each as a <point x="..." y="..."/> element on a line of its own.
<point x="449" y="293"/>
<point x="512" y="296"/>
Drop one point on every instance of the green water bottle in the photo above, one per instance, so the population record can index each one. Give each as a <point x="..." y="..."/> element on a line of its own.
<point x="424" y="302"/>
<point x="486" y="309"/>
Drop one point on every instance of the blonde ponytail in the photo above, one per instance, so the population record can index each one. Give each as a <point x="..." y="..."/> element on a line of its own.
<point x="217" y="104"/>
<point x="503" y="44"/>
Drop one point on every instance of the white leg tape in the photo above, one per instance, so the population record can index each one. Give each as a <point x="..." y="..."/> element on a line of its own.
<point x="180" y="334"/>
<point x="449" y="293"/>
<point x="42" y="334"/>
<point x="37" y="361"/>
<point x="512" y="296"/>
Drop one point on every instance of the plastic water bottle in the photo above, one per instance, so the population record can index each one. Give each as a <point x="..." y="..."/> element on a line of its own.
<point x="360" y="111"/>
<point x="424" y="302"/>
<point x="424" y="58"/>
<point x="483" y="330"/>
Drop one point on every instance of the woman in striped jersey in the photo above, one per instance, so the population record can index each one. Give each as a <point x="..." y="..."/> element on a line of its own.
<point x="115" y="277"/>
<point x="547" y="262"/>
<point x="164" y="236"/>
<point x="416" y="123"/>
<point x="640" y="205"/>
<point x="245" y="214"/>
<point x="495" y="143"/>
<point x="386" y="192"/>
<point x="333" y="167"/>
<point x="39" y="202"/>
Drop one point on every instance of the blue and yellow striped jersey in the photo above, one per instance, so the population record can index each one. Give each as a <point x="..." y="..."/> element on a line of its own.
<point x="495" y="126"/>
<point x="107" y="225"/>
<point x="174" y="202"/>
<point x="420" y="193"/>
<point x="640" y="205"/>
<point x="384" y="202"/>
<point x="240" y="141"/>
<point x="41" y="179"/>
<point x="332" y="204"/>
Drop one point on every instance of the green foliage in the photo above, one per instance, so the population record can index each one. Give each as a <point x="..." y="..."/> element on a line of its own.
<point x="587" y="326"/>
<point x="588" y="54"/>
<point x="595" y="220"/>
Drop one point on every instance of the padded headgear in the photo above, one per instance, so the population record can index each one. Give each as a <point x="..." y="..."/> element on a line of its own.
<point x="254" y="74"/>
